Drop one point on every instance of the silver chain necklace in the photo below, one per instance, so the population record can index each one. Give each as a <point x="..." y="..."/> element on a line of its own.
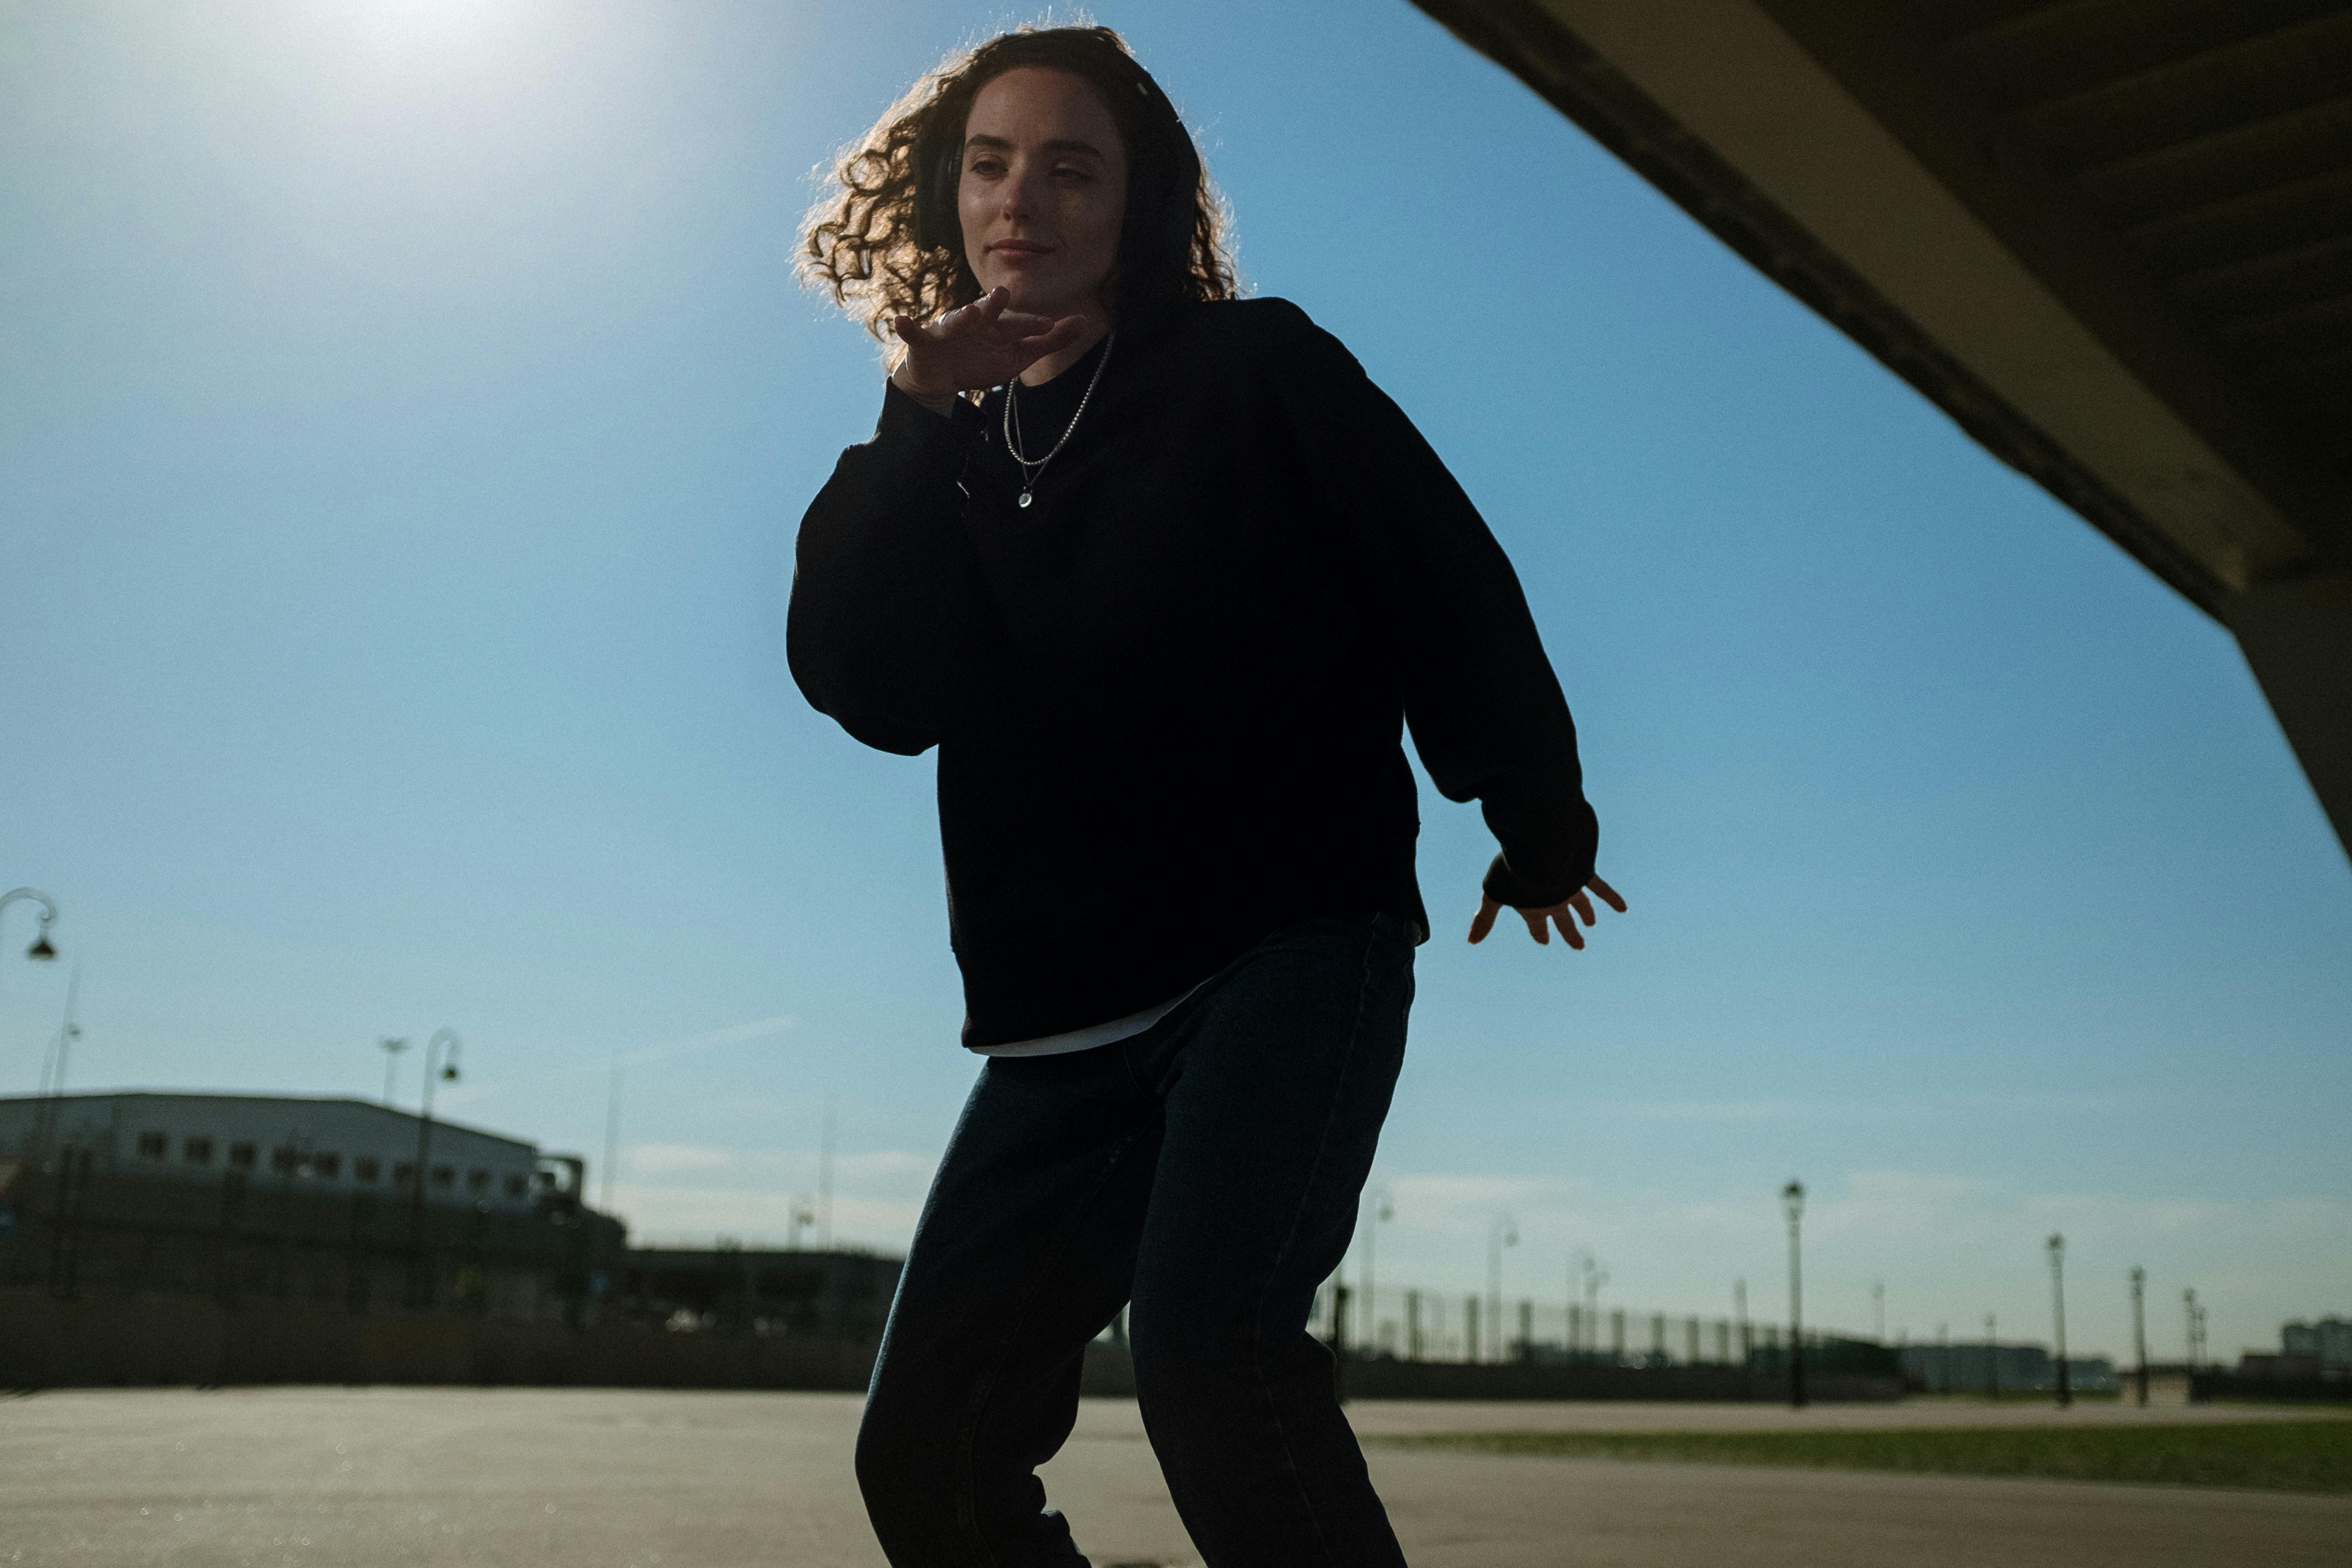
<point x="1031" y="472"/>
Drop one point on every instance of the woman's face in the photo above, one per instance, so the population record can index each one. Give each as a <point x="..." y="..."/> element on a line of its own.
<point x="1043" y="189"/>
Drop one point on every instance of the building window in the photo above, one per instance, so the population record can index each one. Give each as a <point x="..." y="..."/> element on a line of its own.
<point x="517" y="1184"/>
<point x="365" y="1169"/>
<point x="327" y="1165"/>
<point x="404" y="1174"/>
<point x="443" y="1177"/>
<point x="197" y="1152"/>
<point x="154" y="1145"/>
<point x="241" y="1155"/>
<point x="478" y="1181"/>
<point x="285" y="1162"/>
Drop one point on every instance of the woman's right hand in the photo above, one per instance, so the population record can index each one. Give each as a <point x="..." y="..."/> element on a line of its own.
<point x="980" y="344"/>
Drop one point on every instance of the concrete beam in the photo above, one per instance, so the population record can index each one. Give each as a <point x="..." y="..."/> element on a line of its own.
<point x="1816" y="139"/>
<point x="2297" y="637"/>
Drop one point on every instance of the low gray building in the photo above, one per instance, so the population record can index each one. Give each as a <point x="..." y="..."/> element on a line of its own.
<point x="318" y="1143"/>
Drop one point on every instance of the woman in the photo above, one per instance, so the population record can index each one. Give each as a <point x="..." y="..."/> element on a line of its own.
<point x="1162" y="576"/>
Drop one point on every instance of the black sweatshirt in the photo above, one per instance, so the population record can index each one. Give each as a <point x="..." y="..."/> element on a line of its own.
<point x="1169" y="696"/>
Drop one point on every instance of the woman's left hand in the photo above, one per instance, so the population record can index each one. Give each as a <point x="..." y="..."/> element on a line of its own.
<point x="1540" y="921"/>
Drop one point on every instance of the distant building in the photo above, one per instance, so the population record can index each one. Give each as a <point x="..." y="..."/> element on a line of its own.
<point x="1973" y="1368"/>
<point x="322" y="1144"/>
<point x="2328" y="1344"/>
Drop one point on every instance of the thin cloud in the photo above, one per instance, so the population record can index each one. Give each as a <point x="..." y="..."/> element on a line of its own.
<point x="734" y="1034"/>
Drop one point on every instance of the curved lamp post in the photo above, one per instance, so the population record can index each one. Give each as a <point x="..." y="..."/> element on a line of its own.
<point x="1792" y="1200"/>
<point x="40" y="952"/>
<point x="420" y="1280"/>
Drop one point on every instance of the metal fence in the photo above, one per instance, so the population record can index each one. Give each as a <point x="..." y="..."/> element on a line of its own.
<point x="1409" y="1323"/>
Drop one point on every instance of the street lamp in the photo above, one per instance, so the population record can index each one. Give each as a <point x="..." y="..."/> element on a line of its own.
<point x="420" y="1285"/>
<point x="1792" y="1199"/>
<point x="40" y="952"/>
<point x="392" y="1048"/>
<point x="1595" y="1276"/>
<point x="1504" y="1234"/>
<point x="2058" y="1309"/>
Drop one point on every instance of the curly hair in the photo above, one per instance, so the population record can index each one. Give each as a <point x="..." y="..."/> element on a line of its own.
<point x="886" y="240"/>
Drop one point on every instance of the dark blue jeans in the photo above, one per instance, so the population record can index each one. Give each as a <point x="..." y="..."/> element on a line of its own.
<point x="1208" y="1171"/>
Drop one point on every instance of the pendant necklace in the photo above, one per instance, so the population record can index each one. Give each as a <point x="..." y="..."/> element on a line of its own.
<point x="1032" y="471"/>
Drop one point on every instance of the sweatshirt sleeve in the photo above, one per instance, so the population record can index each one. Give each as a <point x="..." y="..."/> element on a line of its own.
<point x="888" y="631"/>
<point x="1485" y="707"/>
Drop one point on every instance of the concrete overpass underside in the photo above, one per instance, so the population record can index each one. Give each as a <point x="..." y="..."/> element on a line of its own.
<point x="2111" y="239"/>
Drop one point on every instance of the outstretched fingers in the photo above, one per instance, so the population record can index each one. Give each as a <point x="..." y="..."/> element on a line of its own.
<point x="1571" y="914"/>
<point x="1483" y="921"/>
<point x="1568" y="929"/>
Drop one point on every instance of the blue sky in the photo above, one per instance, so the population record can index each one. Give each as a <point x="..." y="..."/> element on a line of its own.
<point x="404" y="413"/>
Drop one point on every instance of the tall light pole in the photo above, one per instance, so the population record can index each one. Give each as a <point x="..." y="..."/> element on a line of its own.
<point x="420" y="1281"/>
<point x="1792" y="1200"/>
<point x="2058" y="1313"/>
<point x="53" y="1067"/>
<point x="612" y="1134"/>
<point x="1878" y="1308"/>
<point x="1992" y="1357"/>
<point x="390" y="1049"/>
<point x="1367" y="1315"/>
<point x="2139" y="1328"/>
<point x="1595" y="1276"/>
<point x="1504" y="1234"/>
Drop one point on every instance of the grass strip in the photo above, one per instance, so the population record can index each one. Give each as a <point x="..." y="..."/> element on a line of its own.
<point x="2267" y="1455"/>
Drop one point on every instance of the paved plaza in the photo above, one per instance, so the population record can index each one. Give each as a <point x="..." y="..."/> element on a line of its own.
<point x="594" y="1478"/>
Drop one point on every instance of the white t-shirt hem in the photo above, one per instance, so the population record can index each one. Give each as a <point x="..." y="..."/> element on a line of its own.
<point x="1087" y="1038"/>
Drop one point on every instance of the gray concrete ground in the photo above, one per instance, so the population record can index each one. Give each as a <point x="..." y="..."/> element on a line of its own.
<point x="535" y="1479"/>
